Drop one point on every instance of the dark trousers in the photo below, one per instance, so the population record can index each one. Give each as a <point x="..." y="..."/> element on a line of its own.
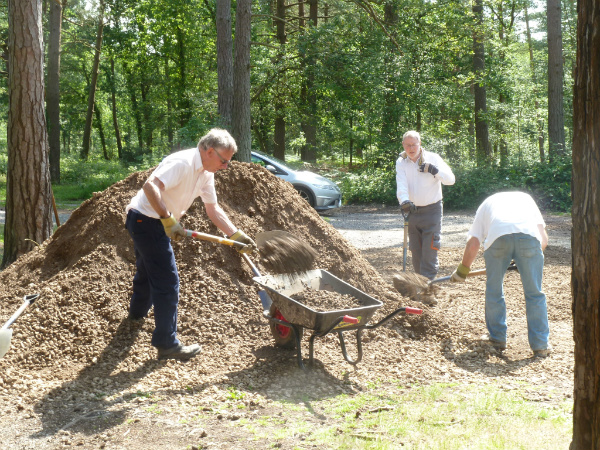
<point x="156" y="281"/>
<point x="424" y="234"/>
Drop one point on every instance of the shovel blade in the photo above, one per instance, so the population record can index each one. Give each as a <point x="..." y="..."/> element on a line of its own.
<point x="5" y="335"/>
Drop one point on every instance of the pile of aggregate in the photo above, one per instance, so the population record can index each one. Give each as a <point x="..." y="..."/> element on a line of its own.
<point x="75" y="341"/>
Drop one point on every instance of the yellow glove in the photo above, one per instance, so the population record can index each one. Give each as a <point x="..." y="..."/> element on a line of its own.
<point x="173" y="229"/>
<point x="240" y="236"/>
<point x="460" y="274"/>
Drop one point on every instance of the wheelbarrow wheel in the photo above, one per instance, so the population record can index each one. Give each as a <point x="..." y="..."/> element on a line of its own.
<point x="284" y="336"/>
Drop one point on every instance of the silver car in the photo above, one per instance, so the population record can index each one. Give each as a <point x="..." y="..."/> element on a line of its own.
<point x="320" y="192"/>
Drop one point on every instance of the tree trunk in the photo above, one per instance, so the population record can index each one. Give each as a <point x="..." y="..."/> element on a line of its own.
<point x="135" y="107"/>
<point x="538" y="119"/>
<point x="147" y="114"/>
<point x="241" y="129"/>
<point x="113" y="95"/>
<point x="483" y="148"/>
<point x="87" y="132"/>
<point x="279" y="135"/>
<point x="28" y="191"/>
<point x="185" y="107"/>
<point x="101" y="130"/>
<point x="170" y="134"/>
<point x="308" y="97"/>
<point x="53" y="89"/>
<point x="585" y="277"/>
<point x="556" y="116"/>
<point x="224" y="63"/>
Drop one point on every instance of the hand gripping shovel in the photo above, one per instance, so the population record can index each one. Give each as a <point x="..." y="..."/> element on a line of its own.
<point x="5" y="331"/>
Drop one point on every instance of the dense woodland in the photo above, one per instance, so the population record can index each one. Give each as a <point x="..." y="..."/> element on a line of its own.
<point x="336" y="80"/>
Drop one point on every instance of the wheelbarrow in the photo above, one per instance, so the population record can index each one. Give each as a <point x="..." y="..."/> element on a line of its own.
<point x="288" y="317"/>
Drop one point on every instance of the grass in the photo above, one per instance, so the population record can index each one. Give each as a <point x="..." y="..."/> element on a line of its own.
<point x="437" y="416"/>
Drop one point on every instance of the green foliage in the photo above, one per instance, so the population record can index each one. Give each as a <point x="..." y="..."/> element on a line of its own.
<point x="80" y="179"/>
<point x="370" y="186"/>
<point x="549" y="184"/>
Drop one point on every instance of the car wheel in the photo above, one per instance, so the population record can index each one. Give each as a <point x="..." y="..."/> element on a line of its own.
<point x="306" y="195"/>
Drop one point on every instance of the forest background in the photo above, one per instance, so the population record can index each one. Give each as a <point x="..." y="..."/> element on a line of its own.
<point x="334" y="85"/>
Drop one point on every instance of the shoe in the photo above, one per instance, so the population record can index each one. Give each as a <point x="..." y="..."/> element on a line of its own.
<point x="542" y="353"/>
<point x="498" y="345"/>
<point x="179" y="351"/>
<point x="134" y="319"/>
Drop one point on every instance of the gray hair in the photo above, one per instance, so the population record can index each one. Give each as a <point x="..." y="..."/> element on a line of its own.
<point x="412" y="134"/>
<point x="217" y="138"/>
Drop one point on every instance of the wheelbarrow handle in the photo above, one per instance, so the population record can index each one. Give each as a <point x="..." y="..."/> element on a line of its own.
<point x="216" y="239"/>
<point x="409" y="310"/>
<point x="350" y="319"/>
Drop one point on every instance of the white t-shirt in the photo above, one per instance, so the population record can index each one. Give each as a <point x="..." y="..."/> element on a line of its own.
<point x="421" y="188"/>
<point x="184" y="178"/>
<point x="506" y="213"/>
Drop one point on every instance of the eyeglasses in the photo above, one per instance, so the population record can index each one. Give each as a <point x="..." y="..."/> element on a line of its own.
<point x="223" y="160"/>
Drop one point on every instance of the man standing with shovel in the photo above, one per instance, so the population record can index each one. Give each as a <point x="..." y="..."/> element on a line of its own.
<point x="153" y="222"/>
<point x="510" y="227"/>
<point x="419" y="178"/>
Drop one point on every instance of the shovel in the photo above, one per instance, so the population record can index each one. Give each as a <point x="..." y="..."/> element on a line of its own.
<point x="5" y="332"/>
<point x="405" y="246"/>
<point x="215" y="239"/>
<point x="473" y="273"/>
<point x="280" y="251"/>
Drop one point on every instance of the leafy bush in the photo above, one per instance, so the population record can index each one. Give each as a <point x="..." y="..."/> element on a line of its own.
<point x="549" y="184"/>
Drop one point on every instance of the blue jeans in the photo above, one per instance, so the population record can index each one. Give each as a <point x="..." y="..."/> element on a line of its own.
<point x="527" y="253"/>
<point x="156" y="281"/>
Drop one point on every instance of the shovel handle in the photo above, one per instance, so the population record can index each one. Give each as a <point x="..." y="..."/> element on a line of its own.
<point x="27" y="300"/>
<point x="215" y="239"/>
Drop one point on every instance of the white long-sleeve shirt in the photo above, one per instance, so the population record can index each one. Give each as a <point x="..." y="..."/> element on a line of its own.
<point x="421" y="188"/>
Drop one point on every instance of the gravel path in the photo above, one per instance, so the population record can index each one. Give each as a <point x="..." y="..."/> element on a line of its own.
<point x="368" y="227"/>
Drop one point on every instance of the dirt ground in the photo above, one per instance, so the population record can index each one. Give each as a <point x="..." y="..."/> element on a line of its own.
<point x="79" y="374"/>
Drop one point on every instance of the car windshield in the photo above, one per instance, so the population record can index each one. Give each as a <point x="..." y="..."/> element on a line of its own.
<point x="277" y="160"/>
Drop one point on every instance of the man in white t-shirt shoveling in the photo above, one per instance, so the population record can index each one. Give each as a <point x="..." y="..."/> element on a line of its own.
<point x="510" y="227"/>
<point x="153" y="221"/>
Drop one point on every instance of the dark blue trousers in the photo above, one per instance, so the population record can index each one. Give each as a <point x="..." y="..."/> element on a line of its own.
<point x="156" y="281"/>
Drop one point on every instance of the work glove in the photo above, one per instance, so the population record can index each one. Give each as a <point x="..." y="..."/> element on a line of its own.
<point x="460" y="274"/>
<point x="407" y="207"/>
<point x="426" y="167"/>
<point x="240" y="236"/>
<point x="173" y="229"/>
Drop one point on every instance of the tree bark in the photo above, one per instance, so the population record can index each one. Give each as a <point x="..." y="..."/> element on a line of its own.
<point x="585" y="277"/>
<point x="224" y="63"/>
<point x="28" y="192"/>
<point x="87" y="132"/>
<point x="241" y="127"/>
<point x="53" y="88"/>
<point x="556" y="116"/>
<point x="483" y="148"/>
